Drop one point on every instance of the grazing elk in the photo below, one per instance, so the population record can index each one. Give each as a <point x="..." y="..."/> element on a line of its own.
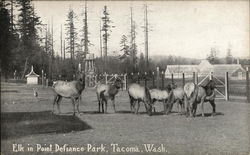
<point x="105" y="92"/>
<point x="139" y="94"/>
<point x="177" y="95"/>
<point x="72" y="90"/>
<point x="199" y="94"/>
<point x="161" y="95"/>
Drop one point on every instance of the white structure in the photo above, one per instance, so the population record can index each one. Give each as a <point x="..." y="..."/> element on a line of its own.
<point x="32" y="77"/>
<point x="90" y="70"/>
<point x="235" y="71"/>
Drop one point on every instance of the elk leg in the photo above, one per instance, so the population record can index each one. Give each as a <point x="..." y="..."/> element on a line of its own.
<point x="131" y="103"/>
<point x="214" y="107"/>
<point x="202" y="107"/>
<point x="113" y="102"/>
<point x="99" y="106"/>
<point x="187" y="108"/>
<point x="194" y="109"/>
<point x="138" y="106"/>
<point x="182" y="107"/>
<point x="165" y="106"/>
<point x="59" y="98"/>
<point x="55" y="99"/>
<point x="153" y="103"/>
<point x="99" y="103"/>
<point x="78" y="103"/>
<point x="178" y="106"/>
<point x="73" y="104"/>
<point x="106" y="106"/>
<point x="190" y="110"/>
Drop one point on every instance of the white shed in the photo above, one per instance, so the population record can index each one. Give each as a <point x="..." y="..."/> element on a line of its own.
<point x="32" y="77"/>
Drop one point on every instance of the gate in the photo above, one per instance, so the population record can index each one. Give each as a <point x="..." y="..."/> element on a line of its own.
<point x="92" y="80"/>
<point x="221" y="86"/>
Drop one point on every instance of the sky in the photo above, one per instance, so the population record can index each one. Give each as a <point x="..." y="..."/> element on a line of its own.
<point x="180" y="28"/>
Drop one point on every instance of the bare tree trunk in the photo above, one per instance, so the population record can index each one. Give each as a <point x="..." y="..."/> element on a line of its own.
<point x="25" y="68"/>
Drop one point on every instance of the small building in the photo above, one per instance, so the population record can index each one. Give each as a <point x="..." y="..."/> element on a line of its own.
<point x="90" y="70"/>
<point x="32" y="77"/>
<point x="235" y="71"/>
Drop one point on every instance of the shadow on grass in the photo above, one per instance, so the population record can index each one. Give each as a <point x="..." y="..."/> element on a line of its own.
<point x="125" y="112"/>
<point x="18" y="124"/>
<point x="210" y="114"/>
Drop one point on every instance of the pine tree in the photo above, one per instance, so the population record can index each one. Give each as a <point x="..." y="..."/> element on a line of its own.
<point x="86" y="32"/>
<point x="5" y="36"/>
<point x="71" y="34"/>
<point x="106" y="28"/>
<point x="141" y="64"/>
<point x="28" y="23"/>
<point x="124" y="46"/>
<point x="133" y="46"/>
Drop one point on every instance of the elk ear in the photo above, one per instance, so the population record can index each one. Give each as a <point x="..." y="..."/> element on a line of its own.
<point x="80" y="79"/>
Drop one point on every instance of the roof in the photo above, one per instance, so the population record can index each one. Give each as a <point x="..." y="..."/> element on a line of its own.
<point x="182" y="68"/>
<point x="32" y="73"/>
<point x="230" y="68"/>
<point x="205" y="67"/>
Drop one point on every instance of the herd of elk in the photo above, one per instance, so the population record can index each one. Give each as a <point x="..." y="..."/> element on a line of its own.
<point x="188" y="96"/>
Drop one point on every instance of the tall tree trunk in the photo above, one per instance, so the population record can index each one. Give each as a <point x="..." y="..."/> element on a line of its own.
<point x="25" y="68"/>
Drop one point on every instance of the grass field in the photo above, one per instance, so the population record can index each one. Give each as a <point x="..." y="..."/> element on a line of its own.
<point x="28" y="121"/>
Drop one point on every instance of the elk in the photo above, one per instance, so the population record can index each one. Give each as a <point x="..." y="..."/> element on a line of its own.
<point x="177" y="95"/>
<point x="159" y="95"/>
<point x="199" y="94"/>
<point x="72" y="90"/>
<point x="105" y="92"/>
<point x="139" y="94"/>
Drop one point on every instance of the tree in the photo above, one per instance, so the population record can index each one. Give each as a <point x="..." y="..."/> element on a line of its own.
<point x="133" y="46"/>
<point x="5" y="36"/>
<point x="106" y="28"/>
<point x="229" y="57"/>
<point x="212" y="57"/>
<point x="71" y="34"/>
<point x="141" y="64"/>
<point x="85" y="32"/>
<point x="28" y="24"/>
<point x="124" y="45"/>
<point x="124" y="57"/>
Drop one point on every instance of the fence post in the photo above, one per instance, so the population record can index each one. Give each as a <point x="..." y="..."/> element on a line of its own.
<point x="211" y="76"/>
<point x="42" y="77"/>
<point x="47" y="82"/>
<point x="106" y="78"/>
<point x="172" y="77"/>
<point x="153" y="79"/>
<point x="138" y="77"/>
<point x="247" y="82"/>
<point x="145" y="79"/>
<point x="195" y="77"/>
<point x="162" y="79"/>
<point x="95" y="79"/>
<point x="157" y="77"/>
<point x="183" y="79"/>
<point x="125" y="81"/>
<point x="226" y="87"/>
